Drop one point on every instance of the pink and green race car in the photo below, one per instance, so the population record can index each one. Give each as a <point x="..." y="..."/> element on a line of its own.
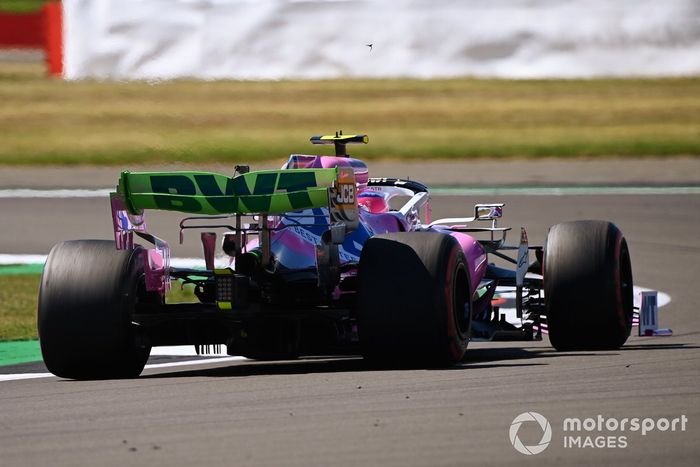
<point x="322" y="259"/>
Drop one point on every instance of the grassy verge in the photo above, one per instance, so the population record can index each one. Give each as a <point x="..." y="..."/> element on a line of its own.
<point x="18" y="295"/>
<point x="52" y="121"/>
<point x="18" y="304"/>
<point x="20" y="6"/>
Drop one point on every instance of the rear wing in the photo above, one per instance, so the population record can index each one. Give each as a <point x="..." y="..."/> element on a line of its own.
<point x="261" y="192"/>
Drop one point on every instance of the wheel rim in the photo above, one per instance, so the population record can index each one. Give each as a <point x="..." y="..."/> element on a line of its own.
<point x="626" y="284"/>
<point x="461" y="302"/>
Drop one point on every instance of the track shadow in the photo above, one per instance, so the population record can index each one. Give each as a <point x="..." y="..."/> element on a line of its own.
<point x="475" y="366"/>
<point x="653" y="346"/>
<point x="258" y="368"/>
<point x="476" y="359"/>
<point x="518" y="353"/>
<point x="301" y="367"/>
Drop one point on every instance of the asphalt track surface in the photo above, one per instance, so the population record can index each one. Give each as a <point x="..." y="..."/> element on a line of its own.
<point x="339" y="412"/>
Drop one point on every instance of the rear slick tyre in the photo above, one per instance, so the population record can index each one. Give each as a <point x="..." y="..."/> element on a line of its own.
<point x="588" y="286"/>
<point x="414" y="304"/>
<point x="87" y="296"/>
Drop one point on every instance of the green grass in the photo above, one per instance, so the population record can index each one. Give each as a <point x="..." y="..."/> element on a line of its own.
<point x="49" y="121"/>
<point x="20" y="6"/>
<point x="18" y="304"/>
<point x="18" y="299"/>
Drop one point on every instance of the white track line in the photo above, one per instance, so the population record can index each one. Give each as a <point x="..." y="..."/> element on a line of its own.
<point x="21" y="376"/>
<point x="195" y="362"/>
<point x="185" y="351"/>
<point x="22" y="259"/>
<point x="153" y="366"/>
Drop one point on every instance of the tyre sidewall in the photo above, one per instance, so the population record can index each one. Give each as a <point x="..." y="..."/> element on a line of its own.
<point x="406" y="307"/>
<point x="85" y="328"/>
<point x="586" y="309"/>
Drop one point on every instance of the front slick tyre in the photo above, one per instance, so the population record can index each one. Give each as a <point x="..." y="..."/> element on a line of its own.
<point x="87" y="296"/>
<point x="587" y="286"/>
<point x="414" y="304"/>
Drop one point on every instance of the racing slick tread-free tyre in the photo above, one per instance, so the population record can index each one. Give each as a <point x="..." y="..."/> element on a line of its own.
<point x="414" y="304"/>
<point x="587" y="286"/>
<point x="86" y="299"/>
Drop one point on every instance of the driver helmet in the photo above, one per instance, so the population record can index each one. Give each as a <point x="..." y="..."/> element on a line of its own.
<point x="372" y="201"/>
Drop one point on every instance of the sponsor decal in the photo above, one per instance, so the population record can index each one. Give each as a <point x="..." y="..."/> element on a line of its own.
<point x="343" y="201"/>
<point x="597" y="432"/>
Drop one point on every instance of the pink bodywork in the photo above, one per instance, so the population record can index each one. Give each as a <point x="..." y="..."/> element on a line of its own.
<point x="301" y="161"/>
<point x="156" y="261"/>
<point x="382" y="222"/>
<point x="476" y="258"/>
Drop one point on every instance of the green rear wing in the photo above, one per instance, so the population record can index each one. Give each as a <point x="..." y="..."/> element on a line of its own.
<point x="260" y="192"/>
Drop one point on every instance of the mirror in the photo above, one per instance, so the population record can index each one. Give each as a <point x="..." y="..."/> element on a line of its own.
<point x="485" y="212"/>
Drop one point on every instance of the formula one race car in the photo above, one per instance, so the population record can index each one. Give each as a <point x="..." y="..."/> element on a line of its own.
<point x="323" y="260"/>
